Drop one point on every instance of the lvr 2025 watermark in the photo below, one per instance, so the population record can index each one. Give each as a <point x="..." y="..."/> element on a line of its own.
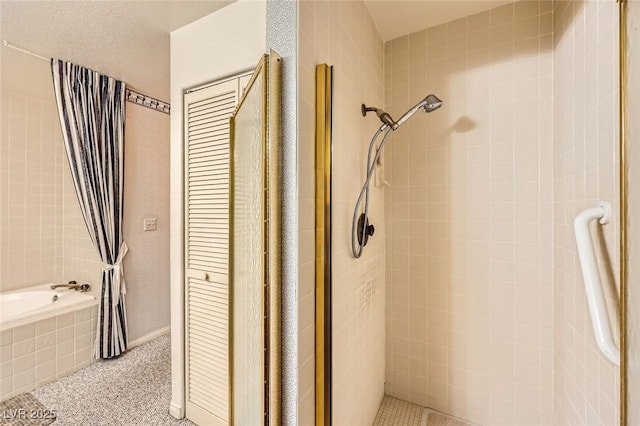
<point x="28" y="414"/>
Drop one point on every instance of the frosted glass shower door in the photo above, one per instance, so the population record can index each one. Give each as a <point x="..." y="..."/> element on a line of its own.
<point x="255" y="236"/>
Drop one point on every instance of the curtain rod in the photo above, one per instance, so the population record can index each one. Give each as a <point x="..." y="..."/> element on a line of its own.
<point x="147" y="101"/>
<point x="131" y="95"/>
<point x="19" y="49"/>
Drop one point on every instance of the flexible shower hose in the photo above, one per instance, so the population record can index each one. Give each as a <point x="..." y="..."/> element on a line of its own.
<point x="356" y="246"/>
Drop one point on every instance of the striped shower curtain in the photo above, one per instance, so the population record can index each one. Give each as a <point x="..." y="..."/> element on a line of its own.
<point x="91" y="107"/>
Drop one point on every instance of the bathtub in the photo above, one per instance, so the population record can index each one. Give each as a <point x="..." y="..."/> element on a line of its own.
<point x="42" y="339"/>
<point x="39" y="302"/>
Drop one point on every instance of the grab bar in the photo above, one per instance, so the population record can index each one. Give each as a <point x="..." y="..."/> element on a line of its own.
<point x="593" y="286"/>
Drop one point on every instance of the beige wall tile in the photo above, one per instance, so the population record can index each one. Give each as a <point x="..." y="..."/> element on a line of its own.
<point x="45" y="340"/>
<point x="359" y="283"/>
<point x="581" y="178"/>
<point x="23" y="332"/>
<point x="483" y="190"/>
<point x="45" y="355"/>
<point x="35" y="194"/>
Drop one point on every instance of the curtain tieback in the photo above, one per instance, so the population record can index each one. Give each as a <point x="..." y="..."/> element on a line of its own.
<point x="117" y="284"/>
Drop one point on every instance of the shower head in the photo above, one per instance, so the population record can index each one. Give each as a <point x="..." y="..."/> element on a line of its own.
<point x="430" y="103"/>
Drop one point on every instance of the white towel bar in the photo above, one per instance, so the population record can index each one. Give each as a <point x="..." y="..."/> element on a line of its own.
<point x="593" y="285"/>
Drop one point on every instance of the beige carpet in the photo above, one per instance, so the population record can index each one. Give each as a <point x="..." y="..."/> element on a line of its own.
<point x="395" y="412"/>
<point x="131" y="390"/>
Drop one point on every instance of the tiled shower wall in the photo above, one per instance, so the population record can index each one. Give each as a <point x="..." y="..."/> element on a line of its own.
<point x="43" y="236"/>
<point x="586" y="384"/>
<point x="469" y="301"/>
<point x="30" y="192"/>
<point x="342" y="34"/>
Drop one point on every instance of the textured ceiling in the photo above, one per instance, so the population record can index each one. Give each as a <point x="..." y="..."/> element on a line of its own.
<point x="128" y="40"/>
<point x="395" y="18"/>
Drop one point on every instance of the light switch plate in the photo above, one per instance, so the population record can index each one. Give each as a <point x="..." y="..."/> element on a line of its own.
<point x="151" y="224"/>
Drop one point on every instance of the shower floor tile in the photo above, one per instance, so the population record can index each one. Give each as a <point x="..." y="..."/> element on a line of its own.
<point x="395" y="412"/>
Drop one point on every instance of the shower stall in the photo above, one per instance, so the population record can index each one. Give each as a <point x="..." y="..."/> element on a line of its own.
<point x="468" y="298"/>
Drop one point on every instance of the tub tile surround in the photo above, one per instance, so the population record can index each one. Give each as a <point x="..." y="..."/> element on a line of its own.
<point x="37" y="353"/>
<point x="43" y="236"/>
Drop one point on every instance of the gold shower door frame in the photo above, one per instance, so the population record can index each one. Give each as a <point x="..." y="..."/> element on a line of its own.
<point x="323" y="182"/>
<point x="268" y="72"/>
<point x="624" y="209"/>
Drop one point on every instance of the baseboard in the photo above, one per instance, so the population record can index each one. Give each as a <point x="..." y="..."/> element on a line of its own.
<point x="149" y="336"/>
<point x="176" y="410"/>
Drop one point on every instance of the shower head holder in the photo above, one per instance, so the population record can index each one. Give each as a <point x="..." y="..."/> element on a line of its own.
<point x="365" y="109"/>
<point x="384" y="117"/>
<point x="365" y="230"/>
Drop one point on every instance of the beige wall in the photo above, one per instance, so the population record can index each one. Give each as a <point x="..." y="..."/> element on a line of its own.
<point x="585" y="171"/>
<point x="44" y="238"/>
<point x="342" y="34"/>
<point x="146" y="195"/>
<point x="469" y="278"/>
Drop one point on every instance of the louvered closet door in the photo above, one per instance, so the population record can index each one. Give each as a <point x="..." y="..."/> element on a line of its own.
<point x="207" y="113"/>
